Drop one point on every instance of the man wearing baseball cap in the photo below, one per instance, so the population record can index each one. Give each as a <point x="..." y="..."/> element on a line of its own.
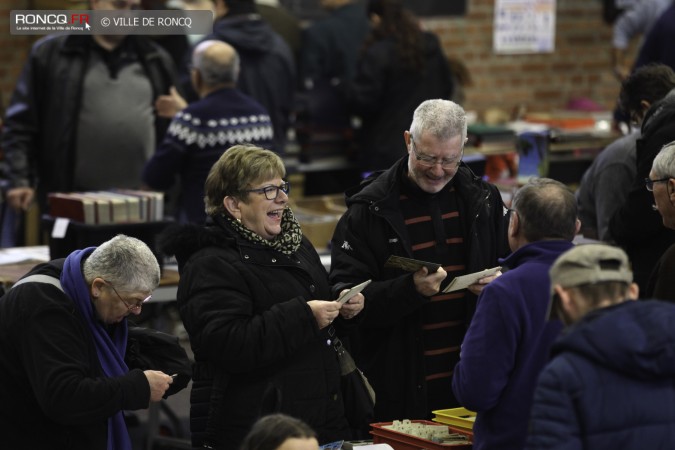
<point x="610" y="383"/>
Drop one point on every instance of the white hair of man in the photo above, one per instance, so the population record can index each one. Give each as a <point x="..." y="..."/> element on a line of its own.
<point x="123" y="261"/>
<point x="443" y="119"/>
<point x="217" y="62"/>
<point x="664" y="163"/>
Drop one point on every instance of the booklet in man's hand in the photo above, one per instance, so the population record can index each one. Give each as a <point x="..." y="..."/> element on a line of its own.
<point x="464" y="281"/>
<point x="409" y="264"/>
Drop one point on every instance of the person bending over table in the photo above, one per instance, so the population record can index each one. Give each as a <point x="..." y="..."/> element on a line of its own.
<point x="63" y="380"/>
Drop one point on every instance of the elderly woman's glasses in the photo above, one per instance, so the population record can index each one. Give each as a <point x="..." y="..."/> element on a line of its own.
<point x="132" y="308"/>
<point x="649" y="183"/>
<point x="272" y="192"/>
<point x="431" y="161"/>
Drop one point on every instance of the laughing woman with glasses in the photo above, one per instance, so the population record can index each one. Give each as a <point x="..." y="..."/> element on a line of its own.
<point x="64" y="382"/>
<point x="256" y="303"/>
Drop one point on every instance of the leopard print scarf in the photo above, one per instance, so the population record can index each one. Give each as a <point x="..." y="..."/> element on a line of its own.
<point x="286" y="242"/>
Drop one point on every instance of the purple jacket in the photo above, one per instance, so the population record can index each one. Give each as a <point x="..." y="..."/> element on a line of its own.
<point x="507" y="346"/>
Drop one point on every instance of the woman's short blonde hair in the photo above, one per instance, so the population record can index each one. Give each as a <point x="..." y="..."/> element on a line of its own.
<point x="239" y="169"/>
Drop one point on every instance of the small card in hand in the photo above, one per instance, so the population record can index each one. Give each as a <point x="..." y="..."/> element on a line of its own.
<point x="464" y="281"/>
<point x="409" y="264"/>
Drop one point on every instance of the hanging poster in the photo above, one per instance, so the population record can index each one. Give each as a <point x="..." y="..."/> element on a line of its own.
<point x="524" y="26"/>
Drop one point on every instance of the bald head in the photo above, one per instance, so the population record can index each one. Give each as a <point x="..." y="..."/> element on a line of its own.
<point x="217" y="64"/>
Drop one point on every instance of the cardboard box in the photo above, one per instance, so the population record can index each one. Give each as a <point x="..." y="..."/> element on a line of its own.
<point x="318" y="217"/>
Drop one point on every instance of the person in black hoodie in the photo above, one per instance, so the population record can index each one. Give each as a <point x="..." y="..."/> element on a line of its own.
<point x="400" y="67"/>
<point x="267" y="64"/>
<point x="636" y="226"/>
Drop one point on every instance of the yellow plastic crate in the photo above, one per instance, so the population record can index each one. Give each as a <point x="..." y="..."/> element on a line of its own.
<point x="458" y="417"/>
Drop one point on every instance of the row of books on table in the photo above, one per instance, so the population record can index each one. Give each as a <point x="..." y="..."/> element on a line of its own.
<point x="112" y="206"/>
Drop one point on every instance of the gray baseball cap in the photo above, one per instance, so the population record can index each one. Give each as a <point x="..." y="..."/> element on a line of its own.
<point x="588" y="264"/>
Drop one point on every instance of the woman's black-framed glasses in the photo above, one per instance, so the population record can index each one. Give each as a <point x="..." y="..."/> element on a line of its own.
<point x="649" y="183"/>
<point x="272" y="192"/>
<point x="132" y="308"/>
<point x="431" y="161"/>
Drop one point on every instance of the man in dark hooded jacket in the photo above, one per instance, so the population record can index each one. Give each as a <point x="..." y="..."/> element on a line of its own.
<point x="267" y="65"/>
<point x="636" y="226"/>
<point x="610" y="383"/>
<point x="428" y="206"/>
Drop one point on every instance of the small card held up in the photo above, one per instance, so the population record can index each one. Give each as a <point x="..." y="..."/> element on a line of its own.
<point x="464" y="281"/>
<point x="352" y="292"/>
<point x="409" y="264"/>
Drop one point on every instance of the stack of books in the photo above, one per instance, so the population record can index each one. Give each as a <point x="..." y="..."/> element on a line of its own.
<point x="108" y="207"/>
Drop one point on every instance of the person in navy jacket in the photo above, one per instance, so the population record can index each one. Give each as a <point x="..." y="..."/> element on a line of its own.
<point x="610" y="382"/>
<point x="507" y="343"/>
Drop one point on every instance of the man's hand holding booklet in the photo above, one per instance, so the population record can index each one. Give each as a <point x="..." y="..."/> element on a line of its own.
<point x="409" y="264"/>
<point x="464" y="281"/>
<point x="461" y="282"/>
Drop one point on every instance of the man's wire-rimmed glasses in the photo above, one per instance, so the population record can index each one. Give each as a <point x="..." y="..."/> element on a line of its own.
<point x="649" y="183"/>
<point x="132" y="308"/>
<point x="431" y="161"/>
<point x="272" y="192"/>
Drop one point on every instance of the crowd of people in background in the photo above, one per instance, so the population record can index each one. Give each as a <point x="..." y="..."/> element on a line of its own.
<point x="553" y="350"/>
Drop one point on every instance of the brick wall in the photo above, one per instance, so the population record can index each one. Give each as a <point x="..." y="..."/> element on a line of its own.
<point x="579" y="66"/>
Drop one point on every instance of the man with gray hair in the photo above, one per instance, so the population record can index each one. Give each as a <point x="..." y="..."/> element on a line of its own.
<point x="428" y="206"/>
<point x="507" y="343"/>
<point x="198" y="135"/>
<point x="64" y="380"/>
<point x="609" y="384"/>
<point x="661" y="183"/>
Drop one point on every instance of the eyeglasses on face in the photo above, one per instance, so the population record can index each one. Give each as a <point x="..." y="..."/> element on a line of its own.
<point x="649" y="183"/>
<point x="272" y="192"/>
<point x="132" y="308"/>
<point x="431" y="161"/>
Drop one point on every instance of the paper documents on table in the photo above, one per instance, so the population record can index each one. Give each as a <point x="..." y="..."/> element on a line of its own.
<point x="464" y="281"/>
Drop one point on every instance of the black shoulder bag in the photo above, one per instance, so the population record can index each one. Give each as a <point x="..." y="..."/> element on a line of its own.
<point x="358" y="395"/>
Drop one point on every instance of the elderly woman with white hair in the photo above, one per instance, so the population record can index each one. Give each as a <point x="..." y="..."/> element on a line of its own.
<point x="64" y="383"/>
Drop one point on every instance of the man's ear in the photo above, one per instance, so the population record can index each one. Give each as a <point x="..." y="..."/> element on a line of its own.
<point x="196" y="79"/>
<point x="577" y="226"/>
<point x="221" y="8"/>
<point x="514" y="224"/>
<point x="231" y="204"/>
<point x="406" y="137"/>
<point x="633" y="291"/>
<point x="96" y="285"/>
<point x="671" y="190"/>
<point x="567" y="303"/>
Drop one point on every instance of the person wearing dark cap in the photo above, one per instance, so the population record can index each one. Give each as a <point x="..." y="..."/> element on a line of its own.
<point x="610" y="382"/>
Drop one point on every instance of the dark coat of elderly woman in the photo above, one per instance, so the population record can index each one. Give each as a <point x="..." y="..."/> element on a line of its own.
<point x="249" y="292"/>
<point x="64" y="382"/>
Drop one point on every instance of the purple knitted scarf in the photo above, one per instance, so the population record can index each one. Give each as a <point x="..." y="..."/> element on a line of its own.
<point x="110" y="350"/>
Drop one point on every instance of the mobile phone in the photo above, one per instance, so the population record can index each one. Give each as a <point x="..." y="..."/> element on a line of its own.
<point x="352" y="292"/>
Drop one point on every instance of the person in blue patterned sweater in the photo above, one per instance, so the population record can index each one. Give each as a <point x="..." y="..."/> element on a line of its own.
<point x="197" y="136"/>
